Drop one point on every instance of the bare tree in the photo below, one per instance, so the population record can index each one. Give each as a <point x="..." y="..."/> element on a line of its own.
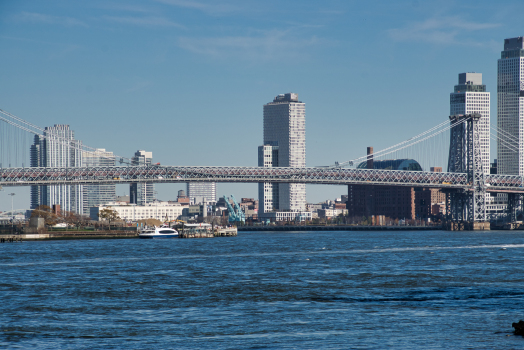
<point x="74" y="219"/>
<point x="43" y="211"/>
<point x="109" y="215"/>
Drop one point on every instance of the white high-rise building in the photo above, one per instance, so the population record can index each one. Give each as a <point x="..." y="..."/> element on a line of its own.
<point x="95" y="195"/>
<point x="470" y="97"/>
<point x="200" y="191"/>
<point x="267" y="192"/>
<point x="58" y="148"/>
<point x="143" y="192"/>
<point x="510" y="108"/>
<point x="284" y="128"/>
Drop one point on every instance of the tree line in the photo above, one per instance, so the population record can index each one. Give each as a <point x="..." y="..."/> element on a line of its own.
<point x="71" y="218"/>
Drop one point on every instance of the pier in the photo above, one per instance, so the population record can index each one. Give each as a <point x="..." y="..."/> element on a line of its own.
<point x="197" y="232"/>
<point x="10" y="238"/>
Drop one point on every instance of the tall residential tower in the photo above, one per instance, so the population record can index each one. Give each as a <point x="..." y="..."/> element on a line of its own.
<point x="200" y="191"/>
<point x="284" y="146"/>
<point x="58" y="148"/>
<point x="95" y="195"/>
<point x="143" y="192"/>
<point x="469" y="97"/>
<point x="510" y="108"/>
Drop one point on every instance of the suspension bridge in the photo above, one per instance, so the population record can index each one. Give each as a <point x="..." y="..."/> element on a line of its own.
<point x="466" y="181"/>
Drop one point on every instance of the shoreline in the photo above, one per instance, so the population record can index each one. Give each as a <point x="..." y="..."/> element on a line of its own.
<point x="337" y="228"/>
<point x="71" y="235"/>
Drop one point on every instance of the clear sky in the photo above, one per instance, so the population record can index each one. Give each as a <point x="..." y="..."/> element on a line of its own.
<point x="187" y="79"/>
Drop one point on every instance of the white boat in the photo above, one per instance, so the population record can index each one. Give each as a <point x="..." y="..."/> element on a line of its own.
<point x="163" y="231"/>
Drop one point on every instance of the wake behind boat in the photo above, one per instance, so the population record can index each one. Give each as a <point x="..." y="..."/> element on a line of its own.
<point x="163" y="231"/>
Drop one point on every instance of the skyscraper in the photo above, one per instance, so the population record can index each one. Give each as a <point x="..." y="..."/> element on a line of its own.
<point x="267" y="192"/>
<point x="510" y="107"/>
<point x="58" y="148"/>
<point x="198" y="191"/>
<point x="285" y="146"/>
<point x="469" y="97"/>
<point x="142" y="193"/>
<point x="94" y="195"/>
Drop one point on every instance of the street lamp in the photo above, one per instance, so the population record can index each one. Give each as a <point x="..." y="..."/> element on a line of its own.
<point x="12" y="212"/>
<point x="12" y="195"/>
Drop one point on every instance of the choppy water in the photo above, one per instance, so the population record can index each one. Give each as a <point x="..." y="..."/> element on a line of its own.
<point x="307" y="290"/>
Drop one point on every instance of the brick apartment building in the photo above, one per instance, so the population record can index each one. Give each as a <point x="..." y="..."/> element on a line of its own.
<point x="395" y="202"/>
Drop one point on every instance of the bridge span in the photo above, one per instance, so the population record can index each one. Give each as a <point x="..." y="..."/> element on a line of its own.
<point x="316" y="175"/>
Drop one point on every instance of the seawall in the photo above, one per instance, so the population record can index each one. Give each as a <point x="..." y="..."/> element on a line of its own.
<point x="337" y="228"/>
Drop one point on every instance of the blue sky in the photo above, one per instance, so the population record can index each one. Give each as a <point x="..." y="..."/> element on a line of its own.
<point x="187" y="79"/>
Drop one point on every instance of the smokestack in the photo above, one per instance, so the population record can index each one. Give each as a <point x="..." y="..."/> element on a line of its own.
<point x="370" y="158"/>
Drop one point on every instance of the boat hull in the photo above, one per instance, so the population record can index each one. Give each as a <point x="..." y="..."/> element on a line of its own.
<point x="163" y="231"/>
<point x="158" y="236"/>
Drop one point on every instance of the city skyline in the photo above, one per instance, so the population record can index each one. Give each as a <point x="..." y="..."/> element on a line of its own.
<point x="200" y="82"/>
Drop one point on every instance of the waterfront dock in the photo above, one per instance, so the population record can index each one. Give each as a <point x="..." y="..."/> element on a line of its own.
<point x="217" y="232"/>
<point x="10" y="238"/>
<point x="107" y="234"/>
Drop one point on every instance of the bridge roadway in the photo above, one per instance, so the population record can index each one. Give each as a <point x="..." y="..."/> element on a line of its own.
<point x="317" y="175"/>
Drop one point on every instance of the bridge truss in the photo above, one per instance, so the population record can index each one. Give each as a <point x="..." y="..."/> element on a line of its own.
<point x="318" y="175"/>
<point x="170" y="174"/>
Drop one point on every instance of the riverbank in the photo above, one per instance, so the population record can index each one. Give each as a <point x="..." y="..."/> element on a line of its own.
<point x="57" y="235"/>
<point x="336" y="228"/>
<point x="70" y="235"/>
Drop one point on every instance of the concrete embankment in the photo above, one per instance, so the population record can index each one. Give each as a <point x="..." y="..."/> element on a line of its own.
<point x="337" y="228"/>
<point x="56" y="235"/>
<point x="69" y="235"/>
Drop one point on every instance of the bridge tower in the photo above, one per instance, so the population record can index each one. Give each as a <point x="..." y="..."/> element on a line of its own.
<point x="466" y="207"/>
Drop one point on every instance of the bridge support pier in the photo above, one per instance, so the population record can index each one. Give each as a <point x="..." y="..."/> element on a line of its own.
<point x="466" y="226"/>
<point x="514" y="206"/>
<point x="466" y="209"/>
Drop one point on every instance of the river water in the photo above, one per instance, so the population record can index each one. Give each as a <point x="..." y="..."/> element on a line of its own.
<point x="285" y="290"/>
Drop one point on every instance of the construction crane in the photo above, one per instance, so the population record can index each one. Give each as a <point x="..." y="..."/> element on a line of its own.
<point x="235" y="212"/>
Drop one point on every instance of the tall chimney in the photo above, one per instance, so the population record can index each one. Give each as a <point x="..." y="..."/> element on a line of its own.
<point x="370" y="158"/>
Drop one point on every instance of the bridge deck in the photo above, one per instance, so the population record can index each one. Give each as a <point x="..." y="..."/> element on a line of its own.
<point x="318" y="175"/>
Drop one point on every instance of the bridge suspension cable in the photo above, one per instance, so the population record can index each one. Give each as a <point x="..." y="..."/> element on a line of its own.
<point x="424" y="136"/>
<point x="36" y="130"/>
<point x="509" y="141"/>
<point x="505" y="143"/>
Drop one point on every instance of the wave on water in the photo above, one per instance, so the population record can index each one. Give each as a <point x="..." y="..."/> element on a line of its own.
<point x="376" y="250"/>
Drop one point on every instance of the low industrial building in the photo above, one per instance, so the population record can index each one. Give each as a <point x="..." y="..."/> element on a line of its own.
<point x="276" y="216"/>
<point x="163" y="211"/>
<point x="329" y="213"/>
